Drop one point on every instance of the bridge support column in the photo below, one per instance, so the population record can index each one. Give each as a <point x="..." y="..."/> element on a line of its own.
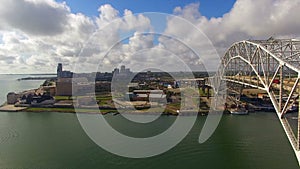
<point x="298" y="130"/>
<point x="280" y="88"/>
<point x="208" y="92"/>
<point x="241" y="92"/>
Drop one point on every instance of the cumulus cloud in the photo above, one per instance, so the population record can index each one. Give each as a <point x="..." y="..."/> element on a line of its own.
<point x="37" y="34"/>
<point x="263" y="18"/>
<point x="35" y="17"/>
<point x="6" y="59"/>
<point x="106" y="46"/>
<point x="106" y="14"/>
<point x="45" y="29"/>
<point x="246" y="20"/>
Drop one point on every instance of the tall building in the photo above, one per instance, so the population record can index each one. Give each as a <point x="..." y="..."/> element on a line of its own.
<point x="122" y="72"/>
<point x="63" y="87"/>
<point x="116" y="71"/>
<point x="59" y="69"/>
<point x="64" y="82"/>
<point x="62" y="73"/>
<point x="122" y="69"/>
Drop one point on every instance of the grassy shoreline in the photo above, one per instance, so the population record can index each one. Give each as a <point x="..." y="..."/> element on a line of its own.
<point x="103" y="112"/>
<point x="68" y="110"/>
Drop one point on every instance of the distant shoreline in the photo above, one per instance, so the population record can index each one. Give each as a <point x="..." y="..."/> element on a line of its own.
<point x="36" y="78"/>
<point x="28" y="74"/>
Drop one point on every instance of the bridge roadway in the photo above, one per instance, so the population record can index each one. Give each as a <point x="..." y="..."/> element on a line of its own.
<point x="252" y="81"/>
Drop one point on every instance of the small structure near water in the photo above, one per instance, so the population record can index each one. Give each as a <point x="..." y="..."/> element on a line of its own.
<point x="12" y="98"/>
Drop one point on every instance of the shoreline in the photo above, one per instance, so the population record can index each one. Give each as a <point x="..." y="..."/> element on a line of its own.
<point x="103" y="111"/>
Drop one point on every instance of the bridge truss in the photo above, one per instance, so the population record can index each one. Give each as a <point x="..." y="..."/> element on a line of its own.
<point x="273" y="66"/>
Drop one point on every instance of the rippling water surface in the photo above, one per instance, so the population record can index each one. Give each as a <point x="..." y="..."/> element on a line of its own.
<point x="10" y="83"/>
<point x="56" y="140"/>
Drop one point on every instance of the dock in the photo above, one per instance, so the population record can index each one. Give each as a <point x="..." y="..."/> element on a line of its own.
<point x="11" y="108"/>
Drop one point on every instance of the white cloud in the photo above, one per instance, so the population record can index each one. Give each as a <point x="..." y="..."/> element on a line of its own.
<point x="106" y="14"/>
<point x="37" y="34"/>
<point x="247" y="19"/>
<point x="38" y="17"/>
<point x="57" y="36"/>
<point x="264" y="18"/>
<point x="112" y="31"/>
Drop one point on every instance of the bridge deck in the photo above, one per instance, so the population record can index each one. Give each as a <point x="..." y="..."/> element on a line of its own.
<point x="247" y="80"/>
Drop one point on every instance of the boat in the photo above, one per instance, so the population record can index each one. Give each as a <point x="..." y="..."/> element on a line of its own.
<point x="293" y="108"/>
<point x="239" y="111"/>
<point x="114" y="114"/>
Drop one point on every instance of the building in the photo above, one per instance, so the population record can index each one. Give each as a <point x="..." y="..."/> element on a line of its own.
<point x="122" y="73"/>
<point x="59" y="68"/>
<point x="66" y="84"/>
<point x="50" y="90"/>
<point x="62" y="73"/>
<point x="197" y="82"/>
<point x="63" y="87"/>
<point x="122" y="69"/>
<point x="74" y="86"/>
<point x="104" y="76"/>
<point x="147" y="95"/>
<point x="12" y="98"/>
<point x="116" y="71"/>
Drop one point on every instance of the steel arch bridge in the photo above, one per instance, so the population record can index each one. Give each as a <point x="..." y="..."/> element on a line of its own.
<point x="273" y="66"/>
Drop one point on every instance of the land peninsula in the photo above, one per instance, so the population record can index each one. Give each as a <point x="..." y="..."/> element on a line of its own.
<point x="104" y="93"/>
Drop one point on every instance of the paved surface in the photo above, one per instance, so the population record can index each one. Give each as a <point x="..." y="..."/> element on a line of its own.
<point x="11" y="108"/>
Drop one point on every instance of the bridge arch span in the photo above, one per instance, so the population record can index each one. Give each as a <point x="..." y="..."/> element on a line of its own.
<point x="271" y="65"/>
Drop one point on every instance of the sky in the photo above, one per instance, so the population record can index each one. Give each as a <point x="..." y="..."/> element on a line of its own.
<point x="208" y="8"/>
<point x="99" y="35"/>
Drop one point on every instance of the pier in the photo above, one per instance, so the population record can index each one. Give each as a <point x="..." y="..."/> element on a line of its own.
<point x="11" y="108"/>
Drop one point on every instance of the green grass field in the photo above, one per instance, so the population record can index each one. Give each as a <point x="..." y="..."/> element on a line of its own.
<point x="69" y="110"/>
